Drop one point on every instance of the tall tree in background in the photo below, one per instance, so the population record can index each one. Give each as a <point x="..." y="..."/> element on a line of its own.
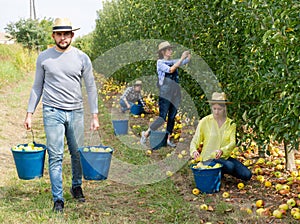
<point x="32" y="34"/>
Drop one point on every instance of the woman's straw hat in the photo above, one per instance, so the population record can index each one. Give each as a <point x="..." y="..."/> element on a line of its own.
<point x="63" y="24"/>
<point x="219" y="98"/>
<point x="164" y="45"/>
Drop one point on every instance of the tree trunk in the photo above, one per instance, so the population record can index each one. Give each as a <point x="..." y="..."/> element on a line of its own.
<point x="289" y="157"/>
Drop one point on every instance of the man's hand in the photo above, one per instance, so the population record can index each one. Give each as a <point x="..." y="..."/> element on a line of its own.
<point x="28" y="120"/>
<point x="94" y="122"/>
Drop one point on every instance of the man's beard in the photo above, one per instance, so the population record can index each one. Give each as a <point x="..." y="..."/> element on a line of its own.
<point x="62" y="47"/>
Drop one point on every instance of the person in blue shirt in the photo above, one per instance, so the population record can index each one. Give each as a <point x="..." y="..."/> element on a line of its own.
<point x="169" y="90"/>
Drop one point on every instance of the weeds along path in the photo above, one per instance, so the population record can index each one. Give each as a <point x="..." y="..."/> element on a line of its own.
<point x="13" y="106"/>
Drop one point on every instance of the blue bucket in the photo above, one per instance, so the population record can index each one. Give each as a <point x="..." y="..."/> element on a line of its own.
<point x="158" y="139"/>
<point x="30" y="164"/>
<point x="208" y="180"/>
<point x="137" y="109"/>
<point x="120" y="127"/>
<point x="95" y="164"/>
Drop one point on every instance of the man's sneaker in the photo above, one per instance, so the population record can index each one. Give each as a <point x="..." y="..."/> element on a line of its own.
<point x="171" y="144"/>
<point x="143" y="138"/>
<point x="58" y="206"/>
<point x="77" y="193"/>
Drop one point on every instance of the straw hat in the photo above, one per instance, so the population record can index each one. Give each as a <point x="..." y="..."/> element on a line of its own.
<point x="164" y="45"/>
<point x="63" y="24"/>
<point x="138" y="83"/>
<point x="219" y="98"/>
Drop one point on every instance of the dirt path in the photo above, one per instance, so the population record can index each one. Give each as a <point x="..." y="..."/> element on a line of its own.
<point x="13" y="105"/>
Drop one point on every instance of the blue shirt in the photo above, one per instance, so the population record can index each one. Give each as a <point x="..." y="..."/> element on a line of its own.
<point x="163" y="66"/>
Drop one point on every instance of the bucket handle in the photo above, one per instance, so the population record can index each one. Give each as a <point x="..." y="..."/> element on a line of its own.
<point x="32" y="134"/>
<point x="91" y="136"/>
<point x="218" y="182"/>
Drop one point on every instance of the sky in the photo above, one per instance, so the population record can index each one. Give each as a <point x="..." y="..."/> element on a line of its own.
<point x="82" y="13"/>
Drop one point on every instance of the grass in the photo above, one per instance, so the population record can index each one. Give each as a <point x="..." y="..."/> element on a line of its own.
<point x="168" y="200"/>
<point x="15" y="63"/>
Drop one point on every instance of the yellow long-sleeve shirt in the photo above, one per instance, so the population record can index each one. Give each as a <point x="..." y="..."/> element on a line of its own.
<point x="214" y="138"/>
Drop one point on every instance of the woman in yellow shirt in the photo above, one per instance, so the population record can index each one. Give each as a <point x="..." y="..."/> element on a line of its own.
<point x="216" y="135"/>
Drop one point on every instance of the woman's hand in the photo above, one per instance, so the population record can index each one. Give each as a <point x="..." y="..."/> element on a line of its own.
<point x="196" y="154"/>
<point x="219" y="153"/>
<point x="184" y="55"/>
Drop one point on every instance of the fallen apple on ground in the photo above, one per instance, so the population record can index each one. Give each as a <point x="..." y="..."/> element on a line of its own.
<point x="291" y="202"/>
<point x="296" y="216"/>
<point x="225" y="195"/>
<point x="196" y="191"/>
<point x="240" y="186"/>
<point x="284" y="207"/>
<point x="169" y="173"/>
<point x="268" y="184"/>
<point x="294" y="210"/>
<point x="277" y="214"/>
<point x="259" y="203"/>
<point x="204" y="207"/>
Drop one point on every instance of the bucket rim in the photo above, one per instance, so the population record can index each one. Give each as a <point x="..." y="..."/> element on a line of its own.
<point x="191" y="166"/>
<point x="80" y="149"/>
<point x="33" y="151"/>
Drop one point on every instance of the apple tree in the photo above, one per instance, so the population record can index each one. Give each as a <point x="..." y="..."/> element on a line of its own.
<point x="251" y="46"/>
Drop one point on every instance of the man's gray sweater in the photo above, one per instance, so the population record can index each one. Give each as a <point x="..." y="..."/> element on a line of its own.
<point x="58" y="78"/>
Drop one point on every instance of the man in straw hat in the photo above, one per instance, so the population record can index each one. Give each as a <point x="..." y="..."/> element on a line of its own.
<point x="58" y="78"/>
<point x="215" y="138"/>
<point x="169" y="90"/>
<point x="131" y="96"/>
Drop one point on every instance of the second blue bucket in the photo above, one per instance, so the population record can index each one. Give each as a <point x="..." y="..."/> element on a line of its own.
<point x="120" y="127"/>
<point x="158" y="139"/>
<point x="95" y="165"/>
<point x="208" y="180"/>
<point x="30" y="164"/>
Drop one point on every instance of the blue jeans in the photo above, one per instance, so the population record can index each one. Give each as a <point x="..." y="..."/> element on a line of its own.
<point x="124" y="106"/>
<point x="169" y="100"/>
<point x="59" y="124"/>
<point x="235" y="168"/>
